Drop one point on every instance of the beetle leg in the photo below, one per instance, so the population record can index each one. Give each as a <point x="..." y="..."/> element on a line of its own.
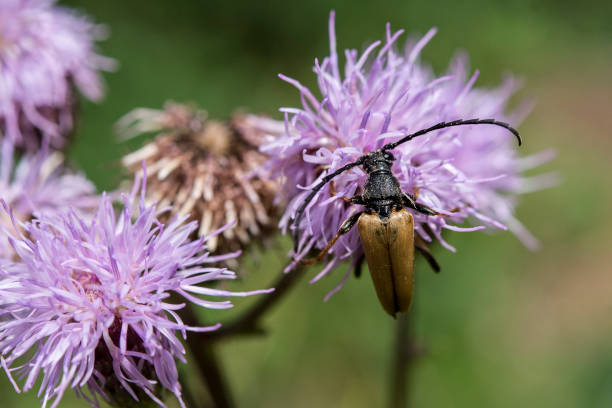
<point x="410" y="202"/>
<point x="344" y="228"/>
<point x="422" y="247"/>
<point x="332" y="188"/>
<point x="357" y="200"/>
<point x="354" y="200"/>
<point x="351" y="200"/>
<point x="359" y="265"/>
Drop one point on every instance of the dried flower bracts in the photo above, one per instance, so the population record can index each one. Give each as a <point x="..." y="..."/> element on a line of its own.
<point x="207" y="169"/>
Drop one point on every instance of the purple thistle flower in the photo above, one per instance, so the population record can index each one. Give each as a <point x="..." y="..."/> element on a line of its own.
<point x="86" y="303"/>
<point x="45" y="50"/>
<point x="40" y="183"/>
<point x="467" y="172"/>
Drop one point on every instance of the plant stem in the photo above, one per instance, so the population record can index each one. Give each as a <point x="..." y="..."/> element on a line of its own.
<point x="208" y="364"/>
<point x="188" y="396"/>
<point x="403" y="359"/>
<point x="248" y="323"/>
<point x="203" y="345"/>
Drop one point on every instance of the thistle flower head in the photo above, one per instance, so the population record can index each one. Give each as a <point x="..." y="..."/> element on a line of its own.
<point x="40" y="183"/>
<point x="45" y="50"/>
<point x="86" y="302"/>
<point x="382" y="94"/>
<point x="207" y="169"/>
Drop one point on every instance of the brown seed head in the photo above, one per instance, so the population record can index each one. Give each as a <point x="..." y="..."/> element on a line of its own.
<point x="207" y="169"/>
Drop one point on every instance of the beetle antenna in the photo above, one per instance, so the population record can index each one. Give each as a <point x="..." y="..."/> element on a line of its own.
<point x="460" y="122"/>
<point x="314" y="191"/>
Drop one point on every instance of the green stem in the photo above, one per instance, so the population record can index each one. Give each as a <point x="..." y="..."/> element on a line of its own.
<point x="204" y="355"/>
<point x="203" y="347"/>
<point x="249" y="322"/>
<point x="403" y="359"/>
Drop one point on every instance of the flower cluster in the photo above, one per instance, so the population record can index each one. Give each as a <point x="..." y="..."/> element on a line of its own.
<point x="464" y="172"/>
<point x="208" y="169"/>
<point x="84" y="288"/>
<point x="89" y="295"/>
<point x="92" y="291"/>
<point x="45" y="51"/>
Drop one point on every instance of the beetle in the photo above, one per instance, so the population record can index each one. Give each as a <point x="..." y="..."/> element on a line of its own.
<point x="386" y="226"/>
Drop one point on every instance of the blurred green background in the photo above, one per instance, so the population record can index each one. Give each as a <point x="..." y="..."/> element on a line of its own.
<point x="502" y="327"/>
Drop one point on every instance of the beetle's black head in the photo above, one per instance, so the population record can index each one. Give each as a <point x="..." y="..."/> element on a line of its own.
<point x="378" y="161"/>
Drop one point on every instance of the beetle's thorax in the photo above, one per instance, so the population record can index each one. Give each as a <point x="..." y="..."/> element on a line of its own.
<point x="381" y="191"/>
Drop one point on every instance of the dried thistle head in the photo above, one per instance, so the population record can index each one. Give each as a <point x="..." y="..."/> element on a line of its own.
<point x="207" y="169"/>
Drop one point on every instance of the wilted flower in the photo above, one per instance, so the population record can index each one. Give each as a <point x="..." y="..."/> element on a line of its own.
<point x="45" y="50"/>
<point x="207" y="169"/>
<point x="86" y="303"/>
<point x="40" y="183"/>
<point x="465" y="172"/>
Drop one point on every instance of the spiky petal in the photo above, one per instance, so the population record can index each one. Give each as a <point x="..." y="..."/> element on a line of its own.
<point x="39" y="183"/>
<point x="86" y="302"/>
<point x="45" y="52"/>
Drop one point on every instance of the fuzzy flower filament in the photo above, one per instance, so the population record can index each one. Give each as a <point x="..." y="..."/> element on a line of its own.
<point x="40" y="183"/>
<point x="87" y="302"/>
<point x="46" y="51"/>
<point x="467" y="172"/>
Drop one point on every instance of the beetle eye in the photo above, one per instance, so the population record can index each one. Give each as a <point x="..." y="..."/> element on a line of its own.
<point x="388" y="156"/>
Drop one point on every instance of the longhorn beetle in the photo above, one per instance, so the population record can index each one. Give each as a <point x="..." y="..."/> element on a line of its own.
<point x="386" y="227"/>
